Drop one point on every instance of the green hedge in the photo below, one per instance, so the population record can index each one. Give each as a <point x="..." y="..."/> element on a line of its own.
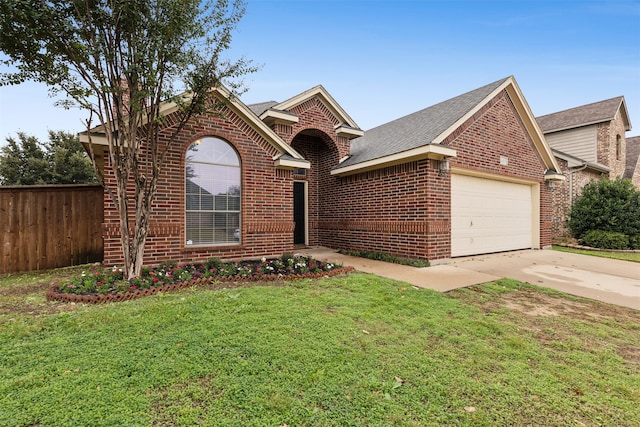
<point x="606" y="239"/>
<point x="606" y="205"/>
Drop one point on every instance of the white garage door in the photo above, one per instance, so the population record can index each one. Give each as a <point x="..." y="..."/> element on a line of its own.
<point x="489" y="216"/>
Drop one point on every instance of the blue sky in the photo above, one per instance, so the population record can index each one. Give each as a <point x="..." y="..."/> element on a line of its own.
<point x="384" y="59"/>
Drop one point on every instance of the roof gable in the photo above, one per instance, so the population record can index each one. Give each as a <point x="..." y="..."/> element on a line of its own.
<point x="416" y="129"/>
<point x="432" y="125"/>
<point x="234" y="104"/>
<point x="597" y="112"/>
<point x="321" y="93"/>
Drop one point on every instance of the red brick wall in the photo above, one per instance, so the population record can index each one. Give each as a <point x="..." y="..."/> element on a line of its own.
<point x="382" y="210"/>
<point x="345" y="212"/>
<point x="315" y="138"/>
<point x="314" y="115"/>
<point x="318" y="149"/>
<point x="497" y="131"/>
<point x="493" y="132"/>
<point x="607" y="142"/>
<point x="267" y="207"/>
<point x="405" y="210"/>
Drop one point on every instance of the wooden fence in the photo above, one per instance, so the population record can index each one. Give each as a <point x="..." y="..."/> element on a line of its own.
<point x="50" y="226"/>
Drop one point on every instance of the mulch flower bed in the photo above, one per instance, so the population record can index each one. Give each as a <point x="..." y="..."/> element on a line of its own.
<point x="110" y="286"/>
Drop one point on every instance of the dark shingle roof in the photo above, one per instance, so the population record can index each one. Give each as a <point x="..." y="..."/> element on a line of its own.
<point x="417" y="129"/>
<point x="584" y="115"/>
<point x="261" y="107"/>
<point x="633" y="155"/>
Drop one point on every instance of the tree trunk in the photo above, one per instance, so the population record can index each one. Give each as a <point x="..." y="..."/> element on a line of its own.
<point x="141" y="229"/>
<point x="123" y="214"/>
<point x="138" y="256"/>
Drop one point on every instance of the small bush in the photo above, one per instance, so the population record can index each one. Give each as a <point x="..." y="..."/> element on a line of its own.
<point x="634" y="241"/>
<point x="213" y="263"/>
<point x="606" y="239"/>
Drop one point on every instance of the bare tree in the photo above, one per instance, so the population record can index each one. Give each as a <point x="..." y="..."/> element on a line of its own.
<point x="124" y="61"/>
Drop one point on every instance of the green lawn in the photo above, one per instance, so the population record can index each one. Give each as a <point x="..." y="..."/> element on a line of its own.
<point x="625" y="256"/>
<point x="352" y="350"/>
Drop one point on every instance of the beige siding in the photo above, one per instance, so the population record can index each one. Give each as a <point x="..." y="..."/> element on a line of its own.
<point x="581" y="142"/>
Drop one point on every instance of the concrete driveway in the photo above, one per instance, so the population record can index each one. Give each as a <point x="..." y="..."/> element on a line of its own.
<point x="607" y="280"/>
<point x="612" y="281"/>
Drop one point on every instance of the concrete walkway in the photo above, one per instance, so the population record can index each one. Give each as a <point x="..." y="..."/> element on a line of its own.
<point x="439" y="277"/>
<point x="612" y="281"/>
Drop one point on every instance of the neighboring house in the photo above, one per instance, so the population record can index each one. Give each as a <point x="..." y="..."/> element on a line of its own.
<point x="589" y="143"/>
<point x="632" y="169"/>
<point x="466" y="176"/>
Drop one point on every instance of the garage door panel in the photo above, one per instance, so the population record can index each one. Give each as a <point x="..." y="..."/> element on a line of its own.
<point x="489" y="215"/>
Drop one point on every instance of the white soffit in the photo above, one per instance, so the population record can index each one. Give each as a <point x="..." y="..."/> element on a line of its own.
<point x="429" y="151"/>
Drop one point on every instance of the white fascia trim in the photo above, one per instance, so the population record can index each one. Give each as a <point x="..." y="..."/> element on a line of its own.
<point x="573" y="162"/>
<point x="95" y="139"/>
<point x="243" y="111"/>
<point x="325" y="97"/>
<point x="438" y="139"/>
<point x="531" y="124"/>
<point x="627" y="119"/>
<point x="235" y="105"/>
<point x="554" y="177"/>
<point x="166" y="108"/>
<point x="279" y="116"/>
<point x="291" y="164"/>
<point x="489" y="175"/>
<point x="529" y="121"/>
<point x="581" y="125"/>
<point x="349" y="132"/>
<point x="429" y="151"/>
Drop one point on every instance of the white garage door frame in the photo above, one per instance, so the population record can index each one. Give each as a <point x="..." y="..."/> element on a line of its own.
<point x="534" y="188"/>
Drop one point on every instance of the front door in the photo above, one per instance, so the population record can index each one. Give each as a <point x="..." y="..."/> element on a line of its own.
<point x="299" y="214"/>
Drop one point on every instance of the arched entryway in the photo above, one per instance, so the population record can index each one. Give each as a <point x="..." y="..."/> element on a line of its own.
<point x="312" y="187"/>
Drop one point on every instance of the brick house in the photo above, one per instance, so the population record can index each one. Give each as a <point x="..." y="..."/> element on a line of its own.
<point x="589" y="143"/>
<point x="469" y="175"/>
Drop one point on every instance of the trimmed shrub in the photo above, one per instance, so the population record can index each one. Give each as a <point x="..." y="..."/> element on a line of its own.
<point x="634" y="241"/>
<point x="382" y="256"/>
<point x="608" y="206"/>
<point x="606" y="239"/>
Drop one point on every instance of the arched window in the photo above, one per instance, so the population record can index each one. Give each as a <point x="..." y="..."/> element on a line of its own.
<point x="212" y="176"/>
<point x="618" y="147"/>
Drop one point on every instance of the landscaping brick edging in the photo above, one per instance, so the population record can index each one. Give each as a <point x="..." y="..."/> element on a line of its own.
<point x="53" y="294"/>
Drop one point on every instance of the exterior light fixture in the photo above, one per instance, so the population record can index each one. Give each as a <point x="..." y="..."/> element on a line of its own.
<point x="443" y="166"/>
